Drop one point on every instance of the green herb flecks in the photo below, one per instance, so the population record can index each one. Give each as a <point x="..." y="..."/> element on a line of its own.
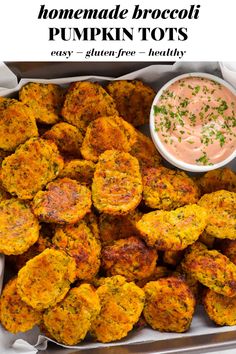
<point x="159" y="109"/>
<point x="204" y="160"/>
<point x="221" y="138"/>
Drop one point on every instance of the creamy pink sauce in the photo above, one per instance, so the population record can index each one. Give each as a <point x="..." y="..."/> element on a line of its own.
<point x="195" y="119"/>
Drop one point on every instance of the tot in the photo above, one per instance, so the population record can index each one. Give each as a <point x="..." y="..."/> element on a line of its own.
<point x="168" y="189"/>
<point x="117" y="183"/>
<point x="67" y="138"/>
<point x="169" y="305"/>
<point x="79" y="242"/>
<point x="86" y="101"/>
<point x="69" y="321"/>
<point x="64" y="202"/>
<point x="133" y="100"/>
<point x="211" y="268"/>
<point x="121" y="306"/>
<point x="45" y="100"/>
<point x="221" y="309"/>
<point x="130" y="258"/>
<point x="19" y="228"/>
<point x="173" y="230"/>
<point x="218" y="179"/>
<point x="17" y="124"/>
<point x="31" y="167"/>
<point x="46" y="279"/>
<point x="107" y="133"/>
<point x="16" y="316"/>
<point x="221" y="206"/>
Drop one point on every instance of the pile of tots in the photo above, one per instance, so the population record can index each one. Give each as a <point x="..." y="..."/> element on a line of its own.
<point x="100" y="237"/>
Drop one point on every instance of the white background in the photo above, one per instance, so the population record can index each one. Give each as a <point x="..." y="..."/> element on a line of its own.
<point x="25" y="38"/>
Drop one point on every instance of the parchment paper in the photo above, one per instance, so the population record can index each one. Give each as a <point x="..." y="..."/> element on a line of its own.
<point x="31" y="341"/>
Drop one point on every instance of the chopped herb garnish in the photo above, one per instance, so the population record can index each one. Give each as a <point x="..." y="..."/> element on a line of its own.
<point x="204" y="159"/>
<point x="221" y="138"/>
<point x="160" y="109"/>
<point x="222" y="107"/>
<point x="184" y="103"/>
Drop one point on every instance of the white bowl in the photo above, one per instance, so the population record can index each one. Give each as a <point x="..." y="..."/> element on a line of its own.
<point x="161" y="148"/>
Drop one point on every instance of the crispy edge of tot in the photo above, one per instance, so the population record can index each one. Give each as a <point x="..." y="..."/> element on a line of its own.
<point x="17" y="125"/>
<point x="129" y="257"/>
<point x="169" y="305"/>
<point x="44" y="99"/>
<point x="211" y="268"/>
<point x="80" y="242"/>
<point x="36" y="161"/>
<point x="84" y="102"/>
<point x="19" y="228"/>
<point x="116" y="167"/>
<point x="121" y="306"/>
<point x="67" y="138"/>
<point x="221" y="207"/>
<point x="168" y="189"/>
<point x="107" y="133"/>
<point x="65" y="201"/>
<point x="133" y="99"/>
<point x="220" y="309"/>
<point x="222" y="178"/>
<point x="16" y="316"/>
<point x="69" y="321"/>
<point x="168" y="231"/>
<point x="46" y="278"/>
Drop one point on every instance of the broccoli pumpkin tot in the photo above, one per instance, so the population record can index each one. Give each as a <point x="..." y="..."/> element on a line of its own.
<point x="16" y="316"/>
<point x="80" y="242"/>
<point x="117" y="183"/>
<point x="31" y="167"/>
<point x="222" y="178"/>
<point x="221" y="207"/>
<point x="129" y="257"/>
<point x="86" y="101"/>
<point x="67" y="138"/>
<point x="211" y="268"/>
<point x="19" y="228"/>
<point x="17" y="124"/>
<point x="221" y="309"/>
<point x="121" y="305"/>
<point x="133" y="100"/>
<point x="168" y="189"/>
<point x="80" y="170"/>
<point x="69" y="321"/>
<point x="173" y="230"/>
<point x="45" y="100"/>
<point x="169" y="305"/>
<point x="107" y="133"/>
<point x="46" y="279"/>
<point x="64" y="202"/>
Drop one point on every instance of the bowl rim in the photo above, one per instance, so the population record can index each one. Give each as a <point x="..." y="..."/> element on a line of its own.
<point x="157" y="142"/>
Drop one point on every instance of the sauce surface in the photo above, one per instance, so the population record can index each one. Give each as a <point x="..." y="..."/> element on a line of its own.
<point x="195" y="119"/>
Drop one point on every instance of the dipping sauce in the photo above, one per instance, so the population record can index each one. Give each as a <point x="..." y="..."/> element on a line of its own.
<point x="195" y="119"/>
